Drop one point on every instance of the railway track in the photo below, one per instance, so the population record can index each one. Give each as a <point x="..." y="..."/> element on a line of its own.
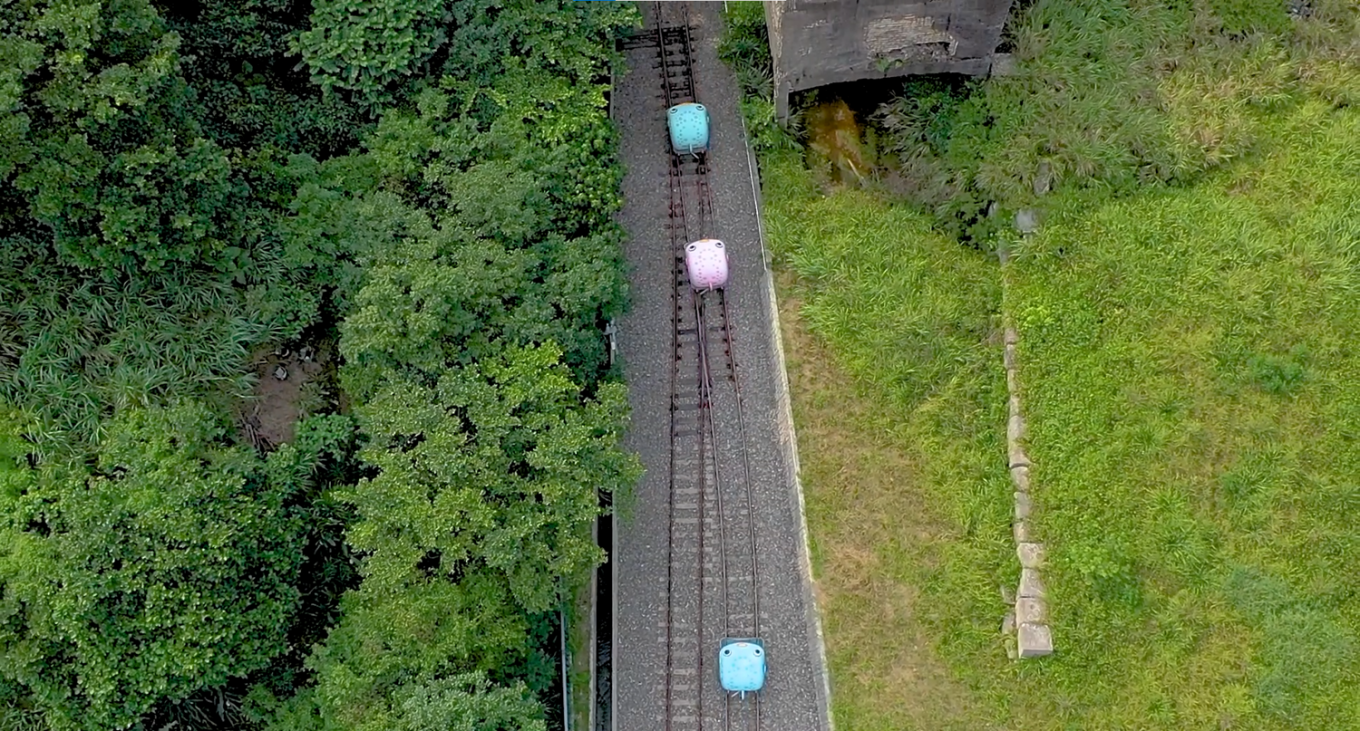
<point x="703" y="498"/>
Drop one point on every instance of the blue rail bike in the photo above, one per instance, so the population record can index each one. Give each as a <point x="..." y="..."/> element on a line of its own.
<point x="688" y="125"/>
<point x="741" y="665"/>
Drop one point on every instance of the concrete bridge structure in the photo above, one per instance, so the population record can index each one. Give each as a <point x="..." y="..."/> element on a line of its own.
<point x="821" y="42"/>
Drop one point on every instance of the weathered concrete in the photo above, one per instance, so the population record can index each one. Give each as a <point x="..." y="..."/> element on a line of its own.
<point x="1031" y="554"/>
<point x="820" y="42"/>
<point x="1030" y="610"/>
<point x="1031" y="585"/>
<point x="1035" y="640"/>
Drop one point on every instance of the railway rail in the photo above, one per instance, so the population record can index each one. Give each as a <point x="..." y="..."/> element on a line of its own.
<point x="703" y="497"/>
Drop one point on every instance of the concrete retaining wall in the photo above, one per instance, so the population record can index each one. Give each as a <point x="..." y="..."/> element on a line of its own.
<point x="820" y="42"/>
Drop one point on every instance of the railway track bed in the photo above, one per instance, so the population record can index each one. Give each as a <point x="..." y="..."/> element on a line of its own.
<point x="711" y="549"/>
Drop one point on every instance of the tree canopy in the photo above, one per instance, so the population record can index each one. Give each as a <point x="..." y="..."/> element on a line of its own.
<point x="423" y="191"/>
<point x="169" y="564"/>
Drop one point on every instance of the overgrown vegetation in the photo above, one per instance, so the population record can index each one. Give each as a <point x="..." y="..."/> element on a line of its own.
<point x="745" y="47"/>
<point x="428" y="191"/>
<point x="1188" y="382"/>
<point x="1109" y="97"/>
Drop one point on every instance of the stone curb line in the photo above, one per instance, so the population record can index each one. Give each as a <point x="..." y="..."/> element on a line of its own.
<point x="1029" y="618"/>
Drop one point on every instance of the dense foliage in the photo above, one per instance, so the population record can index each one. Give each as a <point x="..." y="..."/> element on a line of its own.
<point x="425" y="191"/>
<point x="1106" y="97"/>
<point x="1111" y="96"/>
<point x="169" y="565"/>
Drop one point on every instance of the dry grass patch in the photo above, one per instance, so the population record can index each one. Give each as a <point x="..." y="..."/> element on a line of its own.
<point x="865" y="513"/>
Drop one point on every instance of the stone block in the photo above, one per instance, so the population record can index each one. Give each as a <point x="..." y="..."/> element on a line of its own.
<point x="1023" y="506"/>
<point x="1020" y="531"/>
<point x="1008" y="357"/>
<point x="1031" y="610"/>
<point x="1012" y="382"/>
<point x="1008" y="622"/>
<point x="1007" y="596"/>
<point x="1020" y="476"/>
<point x="1043" y="178"/>
<point x="1012" y="337"/>
<point x="1031" y="554"/>
<point x="1034" y="640"/>
<point x="1017" y="456"/>
<point x="1031" y="585"/>
<point x="1013" y="405"/>
<point x="1015" y="428"/>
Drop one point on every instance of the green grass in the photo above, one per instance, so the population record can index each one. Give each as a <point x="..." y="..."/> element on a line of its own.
<point x="1192" y="391"/>
<point x="1188" y="317"/>
<point x="1110" y="96"/>
<point x="1192" y="385"/>
<point x="582" y="655"/>
<point x="907" y="499"/>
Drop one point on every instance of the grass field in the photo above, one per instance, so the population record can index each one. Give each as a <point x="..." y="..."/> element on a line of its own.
<point x="893" y="357"/>
<point x="1190" y="374"/>
<point x="877" y="540"/>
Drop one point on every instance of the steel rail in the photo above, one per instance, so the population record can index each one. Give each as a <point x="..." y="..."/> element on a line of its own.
<point x="678" y="224"/>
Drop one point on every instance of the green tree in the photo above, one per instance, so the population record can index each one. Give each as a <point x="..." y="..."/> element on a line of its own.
<point x="528" y="250"/>
<point x="551" y="37"/>
<point x="468" y="703"/>
<point x="101" y="142"/>
<point x="250" y="94"/>
<point x="366" y="46"/>
<point x="387" y="641"/>
<point x="167" y="565"/>
<point x="373" y="49"/>
<point x="495" y="465"/>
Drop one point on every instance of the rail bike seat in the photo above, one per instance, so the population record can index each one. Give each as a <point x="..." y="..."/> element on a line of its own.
<point x="688" y="125"/>
<point x="741" y="665"/>
<point x="706" y="264"/>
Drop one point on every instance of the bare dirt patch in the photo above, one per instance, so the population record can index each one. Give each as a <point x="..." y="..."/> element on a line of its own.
<point x="282" y="391"/>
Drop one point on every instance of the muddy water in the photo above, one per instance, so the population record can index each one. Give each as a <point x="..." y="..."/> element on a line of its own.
<point x="836" y="144"/>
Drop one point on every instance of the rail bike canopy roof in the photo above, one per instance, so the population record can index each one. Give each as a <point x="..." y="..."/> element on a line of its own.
<point x="741" y="665"/>
<point x="688" y="124"/>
